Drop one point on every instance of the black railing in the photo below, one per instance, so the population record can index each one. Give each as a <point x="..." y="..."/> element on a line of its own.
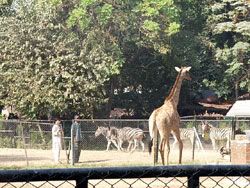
<point x="145" y="176"/>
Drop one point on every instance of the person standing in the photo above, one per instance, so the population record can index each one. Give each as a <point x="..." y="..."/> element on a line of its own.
<point x="76" y="134"/>
<point x="56" y="140"/>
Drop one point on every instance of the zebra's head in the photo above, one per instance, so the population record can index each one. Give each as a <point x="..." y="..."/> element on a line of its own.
<point x="99" y="131"/>
<point x="205" y="128"/>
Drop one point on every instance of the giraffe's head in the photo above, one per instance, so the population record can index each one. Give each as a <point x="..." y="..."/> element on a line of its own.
<point x="184" y="72"/>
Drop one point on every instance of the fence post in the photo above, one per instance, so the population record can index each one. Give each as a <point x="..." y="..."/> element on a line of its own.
<point x="193" y="148"/>
<point x="233" y="128"/>
<point x="24" y="144"/>
<point x="193" y="181"/>
<point x="81" y="183"/>
<point x="72" y="161"/>
<point x="194" y="138"/>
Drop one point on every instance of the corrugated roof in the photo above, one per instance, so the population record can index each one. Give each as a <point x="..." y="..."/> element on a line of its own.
<point x="240" y="108"/>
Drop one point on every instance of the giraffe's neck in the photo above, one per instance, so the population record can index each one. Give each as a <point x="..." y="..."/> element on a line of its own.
<point x="173" y="97"/>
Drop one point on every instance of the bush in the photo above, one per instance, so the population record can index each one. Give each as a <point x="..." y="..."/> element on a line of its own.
<point x="6" y="142"/>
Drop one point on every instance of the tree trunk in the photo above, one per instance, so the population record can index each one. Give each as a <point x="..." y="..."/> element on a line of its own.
<point x="111" y="96"/>
<point x="236" y="90"/>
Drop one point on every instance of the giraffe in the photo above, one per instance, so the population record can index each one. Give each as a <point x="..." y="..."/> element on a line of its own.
<point x="166" y="119"/>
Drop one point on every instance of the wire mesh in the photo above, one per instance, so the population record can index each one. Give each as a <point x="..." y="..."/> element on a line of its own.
<point x="209" y="176"/>
<point x="29" y="143"/>
<point x="140" y="182"/>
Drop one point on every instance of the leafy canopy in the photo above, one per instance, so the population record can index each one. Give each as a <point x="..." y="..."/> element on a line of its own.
<point x="229" y="37"/>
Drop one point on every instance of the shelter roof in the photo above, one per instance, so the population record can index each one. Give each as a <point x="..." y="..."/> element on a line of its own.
<point x="240" y="108"/>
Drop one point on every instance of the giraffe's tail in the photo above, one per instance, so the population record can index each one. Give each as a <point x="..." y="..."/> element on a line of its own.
<point x="150" y="144"/>
<point x="152" y="130"/>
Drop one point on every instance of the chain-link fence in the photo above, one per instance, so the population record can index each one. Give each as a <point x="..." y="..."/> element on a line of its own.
<point x="29" y="143"/>
<point x="89" y="127"/>
<point x="214" y="176"/>
<point x="22" y="134"/>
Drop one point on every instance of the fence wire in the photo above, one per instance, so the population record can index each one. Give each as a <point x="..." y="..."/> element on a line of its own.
<point x="208" y="176"/>
<point x="29" y="143"/>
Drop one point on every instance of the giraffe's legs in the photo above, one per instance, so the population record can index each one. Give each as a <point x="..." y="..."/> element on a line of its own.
<point x="175" y="142"/>
<point x="162" y="148"/>
<point x="180" y="150"/>
<point x="154" y="150"/>
<point x="177" y="135"/>
<point x="167" y="149"/>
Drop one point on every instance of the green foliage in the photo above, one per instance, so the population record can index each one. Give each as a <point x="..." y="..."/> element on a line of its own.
<point x="148" y="23"/>
<point x="148" y="75"/>
<point x="79" y="17"/>
<point x="173" y="28"/>
<point x="63" y="64"/>
<point x="82" y="16"/>
<point x="3" y="2"/>
<point x="228" y="33"/>
<point x="19" y="143"/>
<point x="190" y="125"/>
<point x="151" y="26"/>
<point x="36" y="140"/>
<point x="243" y="125"/>
<point x="224" y="124"/>
<point x="50" y="69"/>
<point x="158" y="20"/>
<point x="88" y="56"/>
<point x="6" y="142"/>
<point x="104" y="13"/>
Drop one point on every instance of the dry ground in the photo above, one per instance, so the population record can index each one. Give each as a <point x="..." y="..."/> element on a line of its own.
<point x="15" y="158"/>
<point x="43" y="158"/>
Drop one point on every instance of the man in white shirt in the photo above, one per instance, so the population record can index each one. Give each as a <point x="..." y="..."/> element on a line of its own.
<point x="56" y="140"/>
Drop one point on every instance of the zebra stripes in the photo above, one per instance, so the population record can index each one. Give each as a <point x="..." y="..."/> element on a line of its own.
<point x="119" y="136"/>
<point x="186" y="134"/>
<point x="216" y="134"/>
<point x="132" y="136"/>
<point x="111" y="138"/>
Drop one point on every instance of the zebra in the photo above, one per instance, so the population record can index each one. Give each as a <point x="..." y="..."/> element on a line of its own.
<point x="186" y="134"/>
<point x="110" y="135"/>
<point x="131" y="135"/>
<point x="216" y="134"/>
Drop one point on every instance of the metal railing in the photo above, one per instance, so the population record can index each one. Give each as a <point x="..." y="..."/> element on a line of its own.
<point x="144" y="176"/>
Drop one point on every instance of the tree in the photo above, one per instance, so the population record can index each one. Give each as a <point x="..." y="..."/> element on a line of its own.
<point x="228" y="36"/>
<point x="141" y="30"/>
<point x="148" y="75"/>
<point x="89" y="56"/>
<point x="5" y="7"/>
<point x="46" y="69"/>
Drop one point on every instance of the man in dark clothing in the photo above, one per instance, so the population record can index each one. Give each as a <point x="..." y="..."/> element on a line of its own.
<point x="76" y="134"/>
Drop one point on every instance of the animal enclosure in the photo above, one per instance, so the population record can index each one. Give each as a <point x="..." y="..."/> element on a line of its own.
<point x="29" y="143"/>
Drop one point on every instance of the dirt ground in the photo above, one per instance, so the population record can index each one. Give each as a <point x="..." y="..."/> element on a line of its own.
<point x="16" y="158"/>
<point x="43" y="158"/>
